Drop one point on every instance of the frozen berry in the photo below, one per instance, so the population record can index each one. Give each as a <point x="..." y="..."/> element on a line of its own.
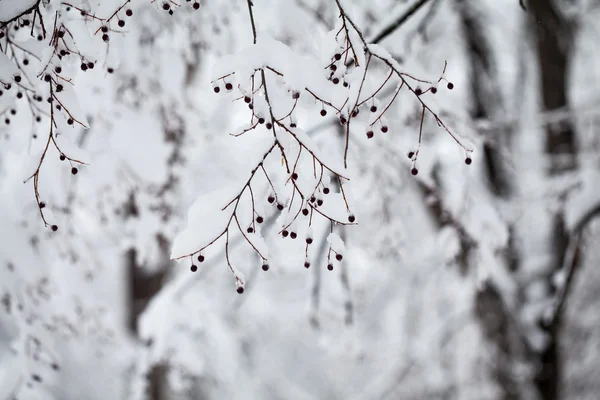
<point x="433" y="90"/>
<point x="305" y="212"/>
<point x="265" y="267"/>
<point x="259" y="219"/>
<point x="330" y="267"/>
<point x="62" y="157"/>
<point x="339" y="257"/>
<point x="250" y="229"/>
<point x="351" y="218"/>
<point x="285" y="233"/>
<point x="193" y="268"/>
<point x="337" y="56"/>
<point x="129" y="13"/>
<point x="323" y="112"/>
<point x="384" y="129"/>
<point x="166" y="6"/>
<point x="70" y="121"/>
<point x="271" y="199"/>
<point x="240" y="289"/>
<point x="319" y="202"/>
<point x="216" y="89"/>
<point x="121" y="23"/>
<point x="468" y="160"/>
<point x="450" y="85"/>
<point x="309" y="240"/>
<point x="306" y="264"/>
<point x="414" y="171"/>
<point x="42" y="204"/>
<point x="326" y="190"/>
<point x="293" y="235"/>
<point x="280" y="207"/>
<point x="54" y="228"/>
<point x="294" y="176"/>
<point x="373" y="109"/>
<point x="418" y="91"/>
<point x="74" y="171"/>
<point x="200" y="258"/>
<point x="261" y="120"/>
<point x="268" y="125"/>
<point x="370" y="134"/>
<point x="247" y="99"/>
<point x="228" y="86"/>
<point x="335" y="81"/>
<point x="411" y="154"/>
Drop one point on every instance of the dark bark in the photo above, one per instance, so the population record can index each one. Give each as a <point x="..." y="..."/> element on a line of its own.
<point x="142" y="287"/>
<point x="553" y="36"/>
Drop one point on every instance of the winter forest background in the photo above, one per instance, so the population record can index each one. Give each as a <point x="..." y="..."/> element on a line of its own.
<point x="420" y="179"/>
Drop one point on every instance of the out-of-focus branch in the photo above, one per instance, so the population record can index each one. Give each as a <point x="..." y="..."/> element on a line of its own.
<point x="398" y="22"/>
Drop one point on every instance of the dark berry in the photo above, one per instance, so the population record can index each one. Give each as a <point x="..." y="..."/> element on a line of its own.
<point x="171" y="13"/>
<point x="280" y="206"/>
<point x="166" y="6"/>
<point x="319" y="202"/>
<point x="84" y="67"/>
<point x="343" y="120"/>
<point x="200" y="258"/>
<point x="47" y="78"/>
<point x="337" y="56"/>
<point x="468" y="160"/>
<point x="70" y="121"/>
<point x="104" y="29"/>
<point x="313" y="199"/>
<point x="306" y="264"/>
<point x="247" y="99"/>
<point x="42" y="204"/>
<point x="54" y="228"/>
<point x="285" y="233"/>
<point x="293" y="125"/>
<point x="25" y="62"/>
<point x="330" y="267"/>
<point x="295" y="95"/>
<point x="418" y="91"/>
<point x="370" y="134"/>
<point x="271" y="199"/>
<point x="18" y="78"/>
<point x="384" y="129"/>
<point x="105" y="37"/>
<point x="62" y="157"/>
<point x="323" y="112"/>
<point x="240" y="289"/>
<point x="433" y="90"/>
<point x="305" y="212"/>
<point x="58" y="70"/>
<point x="326" y="190"/>
<point x="411" y="154"/>
<point x="268" y="125"/>
<point x="351" y="218"/>
<point x="193" y="268"/>
<point x="228" y="86"/>
<point x="121" y="23"/>
<point x="110" y="70"/>
<point x="196" y="6"/>
<point x="294" y="176"/>
<point x="259" y="219"/>
<point x="309" y="240"/>
<point x="216" y="89"/>
<point x="265" y="267"/>
<point x="59" y="88"/>
<point x="250" y="229"/>
<point x="373" y="109"/>
<point x="90" y="65"/>
<point x="74" y="171"/>
<point x="450" y="85"/>
<point x="339" y="257"/>
<point x="129" y="13"/>
<point x="293" y="235"/>
<point x="414" y="171"/>
<point x="335" y="81"/>
<point x="333" y="67"/>
<point x="261" y="120"/>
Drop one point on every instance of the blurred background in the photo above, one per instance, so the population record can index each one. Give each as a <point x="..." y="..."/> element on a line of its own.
<point x="464" y="282"/>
